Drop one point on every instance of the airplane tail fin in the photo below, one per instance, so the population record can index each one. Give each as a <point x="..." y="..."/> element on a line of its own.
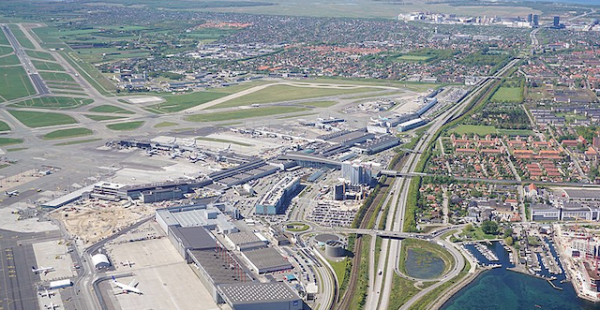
<point x="114" y="279"/>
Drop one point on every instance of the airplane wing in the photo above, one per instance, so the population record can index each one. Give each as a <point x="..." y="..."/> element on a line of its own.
<point x="133" y="283"/>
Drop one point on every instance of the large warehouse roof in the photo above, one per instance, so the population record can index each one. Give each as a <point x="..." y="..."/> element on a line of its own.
<point x="194" y="237"/>
<point x="257" y="293"/>
<point x="267" y="259"/>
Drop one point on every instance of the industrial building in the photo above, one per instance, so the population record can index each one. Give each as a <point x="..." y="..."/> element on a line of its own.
<point x="191" y="238"/>
<point x="544" y="212"/>
<point x="100" y="261"/>
<point x="261" y="296"/>
<point x="207" y="216"/>
<point x="356" y="173"/>
<point x="412" y="124"/>
<point x="245" y="241"/>
<point x="266" y="260"/>
<point x="377" y="145"/>
<point x="243" y="173"/>
<point x="275" y="200"/>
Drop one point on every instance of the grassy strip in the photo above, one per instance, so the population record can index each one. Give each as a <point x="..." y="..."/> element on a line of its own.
<point x="126" y="126"/>
<point x="348" y="269"/>
<point x="9" y="141"/>
<point x="20" y="36"/>
<point x="339" y="268"/>
<point x="402" y="291"/>
<point x="373" y="218"/>
<point x="42" y="119"/>
<point x="56" y="103"/>
<point x="425" y="302"/>
<point x="360" y="295"/>
<point x="165" y="124"/>
<point x="16" y="149"/>
<point x="67" y="133"/>
<point x="110" y="109"/>
<point x="14" y="83"/>
<point x="241" y="114"/>
<point x="4" y="126"/>
<point x="410" y="223"/>
<point x="90" y="74"/>
<point x="176" y="103"/>
<point x="223" y="141"/>
<point x="100" y="118"/>
<point x="77" y="142"/>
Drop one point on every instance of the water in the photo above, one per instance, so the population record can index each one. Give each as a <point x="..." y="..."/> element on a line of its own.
<point x="500" y="289"/>
<point x="423" y="265"/>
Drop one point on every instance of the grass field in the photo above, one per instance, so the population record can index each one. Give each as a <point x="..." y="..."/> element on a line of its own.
<point x="14" y="83"/>
<point x="4" y="126"/>
<point x="515" y="132"/>
<point x="67" y="133"/>
<point x="125" y="126"/>
<point x="16" y="149"/>
<point x="241" y="114"/>
<point x="339" y="268"/>
<point x="21" y="37"/>
<point x="99" y="118"/>
<point x="40" y="55"/>
<point x="10" y="141"/>
<point x="471" y="129"/>
<point x="416" y="86"/>
<point x="78" y="142"/>
<point x="508" y="94"/>
<point x="110" y="109"/>
<point x="165" y="124"/>
<point x="46" y="65"/>
<point x="5" y="50"/>
<point x="10" y="60"/>
<point x="402" y="290"/>
<point x="176" y="103"/>
<point x="42" y="119"/>
<point x="414" y="58"/>
<point x="57" y="76"/>
<point x="90" y="74"/>
<point x="3" y="39"/>
<point x="425" y="248"/>
<point x="277" y="93"/>
<point x="319" y="104"/>
<point x="53" y="103"/>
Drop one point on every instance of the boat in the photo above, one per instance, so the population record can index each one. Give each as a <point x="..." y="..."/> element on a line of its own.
<point x="538" y="306"/>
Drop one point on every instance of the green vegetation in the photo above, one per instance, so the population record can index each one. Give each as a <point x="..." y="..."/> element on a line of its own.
<point x="126" y="126"/>
<point x="410" y="223"/>
<point x="471" y="129"/>
<point x="223" y="141"/>
<point x="402" y="291"/>
<point x="296" y="227"/>
<point x="90" y="74"/>
<point x="425" y="302"/>
<point x="40" y="55"/>
<point x="339" y="268"/>
<point x="489" y="227"/>
<point x="508" y="94"/>
<point x="10" y="60"/>
<point x="67" y="133"/>
<point x="57" y="76"/>
<point x="319" y="104"/>
<point x="46" y="65"/>
<point x="4" y="126"/>
<point x="427" y="249"/>
<point x="241" y="114"/>
<point x="100" y="118"/>
<point x="77" y="142"/>
<point x="5" y="50"/>
<point x="176" y="103"/>
<point x="16" y="149"/>
<point x="515" y="132"/>
<point x="165" y="124"/>
<point x="53" y="103"/>
<point x="360" y="294"/>
<point x="10" y="141"/>
<point x="476" y="233"/>
<point x="42" y="119"/>
<point x="14" y="83"/>
<point x="278" y="93"/>
<point x="3" y="39"/>
<point x="110" y="109"/>
<point x="415" y="86"/>
<point x="427" y="55"/>
<point x="21" y="36"/>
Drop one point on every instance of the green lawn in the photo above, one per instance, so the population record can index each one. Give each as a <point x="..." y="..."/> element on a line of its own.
<point x="102" y="117"/>
<point x="402" y="290"/>
<point x="222" y="141"/>
<point x="508" y="94"/>
<point x="110" y="109"/>
<point x="77" y="142"/>
<point x="53" y="103"/>
<point x="42" y="119"/>
<point x="46" y="65"/>
<point x="67" y="133"/>
<point x="241" y="114"/>
<point x="296" y="227"/>
<point x="10" y="141"/>
<point x="319" y="104"/>
<point x="3" y="39"/>
<point x="5" y="50"/>
<point x="176" y="103"/>
<point x="14" y="83"/>
<point x="515" y="132"/>
<point x="472" y="129"/>
<point x="339" y="268"/>
<point x="40" y="55"/>
<point x="414" y="58"/>
<point x="125" y="126"/>
<point x="9" y="60"/>
<point x="90" y="73"/>
<point x="165" y="124"/>
<point x="57" y="76"/>
<point x="21" y="37"/>
<point x="4" y="126"/>
<point x="277" y="93"/>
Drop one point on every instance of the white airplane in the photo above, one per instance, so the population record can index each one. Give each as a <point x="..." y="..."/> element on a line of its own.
<point x="43" y="269"/>
<point x="51" y="306"/>
<point x="12" y="193"/>
<point x="46" y="294"/>
<point x="127" y="263"/>
<point x="132" y="287"/>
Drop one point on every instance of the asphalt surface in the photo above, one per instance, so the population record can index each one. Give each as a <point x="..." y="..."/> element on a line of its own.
<point x="17" y="286"/>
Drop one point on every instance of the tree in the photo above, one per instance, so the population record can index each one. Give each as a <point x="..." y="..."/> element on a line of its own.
<point x="508" y="241"/>
<point x="489" y="227"/>
<point x="508" y="232"/>
<point x="469" y="227"/>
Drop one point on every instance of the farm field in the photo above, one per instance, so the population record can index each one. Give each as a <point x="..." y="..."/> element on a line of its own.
<point x="42" y="119"/>
<point x="241" y="114"/>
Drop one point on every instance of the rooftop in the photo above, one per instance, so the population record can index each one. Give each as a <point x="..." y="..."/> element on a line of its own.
<point x="257" y="293"/>
<point x="194" y="237"/>
<point x="267" y="258"/>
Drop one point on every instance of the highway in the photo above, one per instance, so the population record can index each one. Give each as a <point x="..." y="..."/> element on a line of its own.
<point x="35" y="78"/>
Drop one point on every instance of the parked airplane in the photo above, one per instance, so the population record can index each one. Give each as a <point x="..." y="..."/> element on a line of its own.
<point x="45" y="293"/>
<point x="51" y="306"/>
<point x="127" y="263"/>
<point x="11" y="193"/>
<point x="43" y="269"/>
<point x="132" y="287"/>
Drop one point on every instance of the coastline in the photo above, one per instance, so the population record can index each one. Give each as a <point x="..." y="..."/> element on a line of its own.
<point x="445" y="296"/>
